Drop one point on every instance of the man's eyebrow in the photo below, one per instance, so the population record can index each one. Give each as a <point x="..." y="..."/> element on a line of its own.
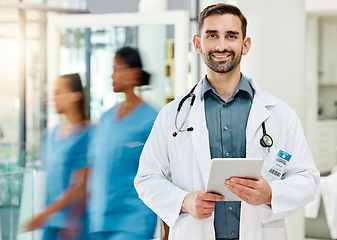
<point x="211" y="31"/>
<point x="233" y="32"/>
<point x="228" y="32"/>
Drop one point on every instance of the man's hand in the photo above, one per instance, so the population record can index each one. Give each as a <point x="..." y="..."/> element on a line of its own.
<point x="200" y="204"/>
<point x="251" y="191"/>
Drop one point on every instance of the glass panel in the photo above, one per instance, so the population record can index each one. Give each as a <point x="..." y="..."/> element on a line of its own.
<point x="11" y="160"/>
<point x="8" y="14"/>
<point x="9" y="18"/>
<point x="9" y="29"/>
<point x="105" y="41"/>
<point x="33" y="30"/>
<point x="34" y="76"/>
<point x="9" y="77"/>
<point x="154" y="42"/>
<point x="16" y="202"/>
<point x="33" y="91"/>
<point x="9" y="90"/>
<point x="74" y="52"/>
<point x="10" y="58"/>
<point x="32" y="15"/>
<point x="17" y="188"/>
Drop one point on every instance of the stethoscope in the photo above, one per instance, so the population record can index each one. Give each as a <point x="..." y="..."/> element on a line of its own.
<point x="265" y="141"/>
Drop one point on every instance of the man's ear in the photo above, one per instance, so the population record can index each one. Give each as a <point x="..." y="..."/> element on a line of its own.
<point x="197" y="43"/>
<point x="247" y="42"/>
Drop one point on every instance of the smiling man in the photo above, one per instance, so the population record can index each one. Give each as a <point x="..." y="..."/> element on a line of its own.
<point x="225" y="116"/>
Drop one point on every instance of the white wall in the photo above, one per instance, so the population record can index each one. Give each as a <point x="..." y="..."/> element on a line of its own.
<point x="277" y="61"/>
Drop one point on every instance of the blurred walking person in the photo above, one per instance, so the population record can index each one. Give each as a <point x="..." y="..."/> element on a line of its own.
<point x="115" y="211"/>
<point x="65" y="156"/>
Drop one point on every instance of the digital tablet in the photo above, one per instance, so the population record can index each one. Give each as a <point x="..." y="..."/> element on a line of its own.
<point x="225" y="168"/>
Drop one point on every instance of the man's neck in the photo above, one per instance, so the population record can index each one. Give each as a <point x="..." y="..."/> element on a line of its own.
<point x="224" y="83"/>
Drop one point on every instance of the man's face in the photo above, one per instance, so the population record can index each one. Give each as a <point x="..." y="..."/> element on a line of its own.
<point x="221" y="42"/>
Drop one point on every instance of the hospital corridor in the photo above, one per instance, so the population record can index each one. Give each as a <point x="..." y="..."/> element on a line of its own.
<point x="115" y="114"/>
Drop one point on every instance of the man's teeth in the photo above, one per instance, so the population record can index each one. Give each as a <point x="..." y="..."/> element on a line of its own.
<point x="223" y="56"/>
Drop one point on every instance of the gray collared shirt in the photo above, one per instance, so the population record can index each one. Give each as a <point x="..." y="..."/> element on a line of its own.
<point x="226" y="123"/>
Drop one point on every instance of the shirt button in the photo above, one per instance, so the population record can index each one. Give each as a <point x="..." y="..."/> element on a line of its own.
<point x="225" y="128"/>
<point x="227" y="154"/>
<point x="225" y="104"/>
<point x="230" y="208"/>
<point x="233" y="233"/>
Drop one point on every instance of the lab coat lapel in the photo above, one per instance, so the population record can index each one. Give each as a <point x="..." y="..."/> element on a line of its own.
<point x="200" y="139"/>
<point x="199" y="135"/>
<point x="258" y="114"/>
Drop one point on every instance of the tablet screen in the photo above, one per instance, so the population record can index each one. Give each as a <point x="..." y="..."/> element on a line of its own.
<point x="225" y="168"/>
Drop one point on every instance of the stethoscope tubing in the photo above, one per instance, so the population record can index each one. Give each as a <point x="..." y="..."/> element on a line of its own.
<point x="182" y="125"/>
<point x="265" y="141"/>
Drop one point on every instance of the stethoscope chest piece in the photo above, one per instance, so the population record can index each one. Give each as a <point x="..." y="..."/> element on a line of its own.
<point x="266" y="140"/>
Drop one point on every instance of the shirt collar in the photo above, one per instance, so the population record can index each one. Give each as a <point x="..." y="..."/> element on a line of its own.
<point x="243" y="85"/>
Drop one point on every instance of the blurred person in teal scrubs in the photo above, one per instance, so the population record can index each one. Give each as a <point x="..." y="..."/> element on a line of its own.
<point x="65" y="157"/>
<point x="115" y="211"/>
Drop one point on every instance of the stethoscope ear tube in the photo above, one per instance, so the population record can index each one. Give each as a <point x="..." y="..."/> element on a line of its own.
<point x="183" y="100"/>
<point x="190" y="94"/>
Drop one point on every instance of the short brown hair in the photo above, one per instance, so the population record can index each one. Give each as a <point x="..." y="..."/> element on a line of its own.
<point x="222" y="8"/>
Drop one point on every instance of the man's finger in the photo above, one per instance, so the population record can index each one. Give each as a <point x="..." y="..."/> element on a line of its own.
<point x="207" y="215"/>
<point x="245" y="196"/>
<point x="208" y="210"/>
<point x="209" y="204"/>
<point x="213" y="197"/>
<point x="241" y="188"/>
<point x="244" y="181"/>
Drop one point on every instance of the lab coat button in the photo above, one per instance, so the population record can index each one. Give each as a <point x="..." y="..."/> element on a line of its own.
<point x="227" y="154"/>
<point x="225" y="128"/>
<point x="230" y="208"/>
<point x="233" y="233"/>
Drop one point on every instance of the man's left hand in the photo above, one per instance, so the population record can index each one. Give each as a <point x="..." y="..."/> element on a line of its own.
<point x="251" y="191"/>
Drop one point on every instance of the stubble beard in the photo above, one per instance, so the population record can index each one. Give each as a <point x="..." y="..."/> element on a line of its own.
<point x="223" y="66"/>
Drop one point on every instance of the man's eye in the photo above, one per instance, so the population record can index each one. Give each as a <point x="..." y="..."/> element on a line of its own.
<point x="211" y="36"/>
<point x="231" y="36"/>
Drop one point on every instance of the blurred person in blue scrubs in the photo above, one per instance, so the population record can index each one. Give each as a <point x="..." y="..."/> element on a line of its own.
<point x="115" y="211"/>
<point x="65" y="156"/>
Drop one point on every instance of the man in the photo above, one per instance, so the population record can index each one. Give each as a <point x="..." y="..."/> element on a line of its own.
<point x="226" y="120"/>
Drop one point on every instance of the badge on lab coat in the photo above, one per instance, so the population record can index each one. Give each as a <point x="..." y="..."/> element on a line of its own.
<point x="280" y="163"/>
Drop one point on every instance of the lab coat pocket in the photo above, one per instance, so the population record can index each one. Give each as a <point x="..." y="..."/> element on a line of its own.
<point x="192" y="228"/>
<point x="277" y="233"/>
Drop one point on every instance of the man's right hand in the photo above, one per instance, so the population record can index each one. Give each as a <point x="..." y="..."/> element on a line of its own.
<point x="200" y="204"/>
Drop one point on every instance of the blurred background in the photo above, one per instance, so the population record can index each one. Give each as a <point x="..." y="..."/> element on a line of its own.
<point x="293" y="56"/>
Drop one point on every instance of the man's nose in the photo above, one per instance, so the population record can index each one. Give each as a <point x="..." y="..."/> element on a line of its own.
<point x="221" y="45"/>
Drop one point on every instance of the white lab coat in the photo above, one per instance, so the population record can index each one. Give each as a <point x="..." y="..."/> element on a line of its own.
<point x="186" y="160"/>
